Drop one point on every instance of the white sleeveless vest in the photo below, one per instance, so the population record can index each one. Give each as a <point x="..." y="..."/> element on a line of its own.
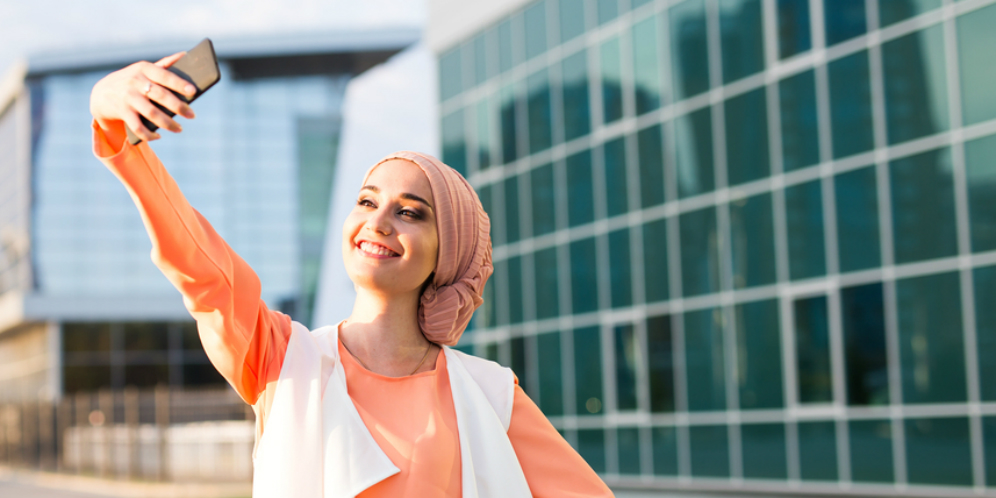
<point x="316" y="446"/>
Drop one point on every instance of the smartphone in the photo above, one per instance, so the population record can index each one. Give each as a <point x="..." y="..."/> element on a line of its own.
<point x="199" y="66"/>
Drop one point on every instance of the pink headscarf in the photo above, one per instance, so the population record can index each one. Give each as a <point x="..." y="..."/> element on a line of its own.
<point x="463" y="263"/>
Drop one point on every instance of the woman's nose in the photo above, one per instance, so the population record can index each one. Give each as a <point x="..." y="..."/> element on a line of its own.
<point x="379" y="222"/>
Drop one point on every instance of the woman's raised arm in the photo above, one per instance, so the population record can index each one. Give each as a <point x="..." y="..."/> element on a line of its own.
<point x="243" y="339"/>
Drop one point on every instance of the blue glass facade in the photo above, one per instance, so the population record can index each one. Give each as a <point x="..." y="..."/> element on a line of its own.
<point x="742" y="244"/>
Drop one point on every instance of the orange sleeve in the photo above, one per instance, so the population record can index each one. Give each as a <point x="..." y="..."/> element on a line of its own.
<point x="244" y="340"/>
<point x="551" y="466"/>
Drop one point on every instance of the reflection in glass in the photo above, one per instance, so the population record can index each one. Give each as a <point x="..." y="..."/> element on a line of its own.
<point x="923" y="206"/>
<point x="655" y="264"/>
<point x="484" y="193"/>
<point x="551" y="397"/>
<point x="591" y="447"/>
<point x="577" y="116"/>
<point x="616" y="199"/>
<point x="984" y="280"/>
<point x="627" y="355"/>
<point x="480" y="58"/>
<point x="704" y="360"/>
<point x="485" y="118"/>
<point x="710" y="450"/>
<point x="584" y="281"/>
<point x="689" y="48"/>
<point x="843" y="20"/>
<point x="747" y="137"/>
<point x="661" y="368"/>
<point x="511" y="187"/>
<point x="571" y="19"/>
<point x="547" y="286"/>
<point x="588" y="371"/>
<point x="693" y="134"/>
<point x="916" y="90"/>
<point x="857" y="220"/>
<point x="607" y="10"/>
<point x="515" y="289"/>
<point x="817" y="451"/>
<point x="793" y="27"/>
<point x="800" y="136"/>
<point x="871" y="450"/>
<point x="758" y="341"/>
<point x="146" y="375"/>
<point x="812" y="350"/>
<point x="699" y="252"/>
<point x="980" y="173"/>
<point x="850" y="104"/>
<point x="989" y="443"/>
<point x="538" y="112"/>
<point x="517" y="350"/>
<point x="580" y="191"/>
<point x="893" y="11"/>
<point x="501" y="292"/>
<point x="741" y="38"/>
<point x="534" y="18"/>
<point x="454" y="142"/>
<point x="976" y="38"/>
<point x="544" y="208"/>
<point x="628" y="443"/>
<point x="764" y="453"/>
<point x="145" y="336"/>
<point x="620" y="269"/>
<point x="931" y="347"/>
<point x="86" y="337"/>
<point x="509" y="145"/>
<point x="450" y="74"/>
<point x="665" y="440"/>
<point x="865" y="359"/>
<point x="506" y="58"/>
<point x="804" y="221"/>
<point x="938" y="451"/>
<point x="611" y="74"/>
<point x="646" y="70"/>
<point x="753" y="241"/>
<point x="650" y="157"/>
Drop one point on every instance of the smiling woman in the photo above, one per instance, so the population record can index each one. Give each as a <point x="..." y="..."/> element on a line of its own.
<point x="376" y="405"/>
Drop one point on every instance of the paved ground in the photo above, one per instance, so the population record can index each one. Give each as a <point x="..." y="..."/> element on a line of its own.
<point x="27" y="484"/>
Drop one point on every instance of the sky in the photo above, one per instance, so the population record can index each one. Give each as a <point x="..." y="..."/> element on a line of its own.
<point x="37" y="26"/>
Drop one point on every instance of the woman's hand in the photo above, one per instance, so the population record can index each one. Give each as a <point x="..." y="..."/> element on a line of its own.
<point x="124" y="95"/>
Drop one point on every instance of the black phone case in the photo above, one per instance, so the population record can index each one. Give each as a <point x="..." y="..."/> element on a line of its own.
<point x="199" y="66"/>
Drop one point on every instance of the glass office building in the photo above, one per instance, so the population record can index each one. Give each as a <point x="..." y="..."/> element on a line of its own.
<point x="742" y="245"/>
<point x="257" y="162"/>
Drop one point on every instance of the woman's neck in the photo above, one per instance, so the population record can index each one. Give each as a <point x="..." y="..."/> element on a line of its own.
<point x="383" y="333"/>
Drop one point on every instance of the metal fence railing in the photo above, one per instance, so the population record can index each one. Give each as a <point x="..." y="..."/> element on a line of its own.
<point x="156" y="434"/>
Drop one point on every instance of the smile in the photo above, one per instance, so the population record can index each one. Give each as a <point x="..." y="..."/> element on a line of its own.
<point x="378" y="250"/>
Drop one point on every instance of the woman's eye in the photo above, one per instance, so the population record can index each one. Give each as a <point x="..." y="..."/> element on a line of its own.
<point x="411" y="214"/>
<point x="365" y="202"/>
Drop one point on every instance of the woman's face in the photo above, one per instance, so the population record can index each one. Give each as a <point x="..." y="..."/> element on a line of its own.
<point x="389" y="241"/>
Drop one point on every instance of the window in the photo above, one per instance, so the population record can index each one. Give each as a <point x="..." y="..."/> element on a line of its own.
<point x="515" y="289"/>
<point x="976" y="38"/>
<point x="655" y="264"/>
<point x="607" y="10"/>
<point x="812" y="350"/>
<point x="893" y="11"/>
<point x="628" y="444"/>
<point x="591" y="447"/>
<point x="747" y="137"/>
<point x="584" y="281"/>
<point x="551" y="398"/>
<point x="577" y="119"/>
<point x="865" y="358"/>
<point x="753" y="241"/>
<point x="804" y="220"/>
<point x="857" y="220"/>
<point x="705" y="361"/>
<point x="509" y="145"/>
<point x="764" y="453"/>
<point x="534" y="18"/>
<point x="661" y="368"/>
<point x="741" y="38"/>
<point x="627" y="352"/>
<point x="850" y="104"/>
<point x="843" y="20"/>
<point x="980" y="172"/>
<point x="699" y="252"/>
<point x="689" y="52"/>
<point x="571" y="19"/>
<point x="916" y="90"/>
<point x="710" y="450"/>
<point x="539" y="113"/>
<point x="484" y="142"/>
<point x="580" y="197"/>
<point x="506" y="58"/>
<point x="665" y="441"/>
<point x="817" y="451"/>
<point x="620" y="269"/>
<point x="588" y="371"/>
<point x="454" y="142"/>
<point x="937" y="451"/>
<point x="616" y="198"/>
<point x="759" y="355"/>
<point x="611" y="71"/>
<point x="511" y="188"/>
<point x="547" y="285"/>
<point x="923" y="210"/>
<point x="693" y="136"/>
<point x="450" y="74"/>
<point x="871" y="450"/>
<point x="646" y="65"/>
<point x="984" y="280"/>
<point x="793" y="27"/>
<point x="800" y="136"/>
<point x="543" y="202"/>
<point x="651" y="160"/>
<point x="480" y="48"/>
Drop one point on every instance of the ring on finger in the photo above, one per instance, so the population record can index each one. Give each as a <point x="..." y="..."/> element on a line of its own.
<point x="148" y="88"/>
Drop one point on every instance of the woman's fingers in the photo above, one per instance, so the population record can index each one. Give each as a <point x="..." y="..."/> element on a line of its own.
<point x="167" y="79"/>
<point x="164" y="97"/>
<point x="170" y="59"/>
<point x="152" y="113"/>
<point x="135" y="123"/>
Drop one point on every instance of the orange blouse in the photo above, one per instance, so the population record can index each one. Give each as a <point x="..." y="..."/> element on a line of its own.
<point x="412" y="418"/>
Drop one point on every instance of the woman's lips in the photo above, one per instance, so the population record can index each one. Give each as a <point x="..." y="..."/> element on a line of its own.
<point x="376" y="250"/>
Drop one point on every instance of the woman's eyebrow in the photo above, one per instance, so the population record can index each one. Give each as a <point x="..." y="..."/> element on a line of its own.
<point x="411" y="197"/>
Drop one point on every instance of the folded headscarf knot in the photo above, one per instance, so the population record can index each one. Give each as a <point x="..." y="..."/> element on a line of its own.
<point x="463" y="263"/>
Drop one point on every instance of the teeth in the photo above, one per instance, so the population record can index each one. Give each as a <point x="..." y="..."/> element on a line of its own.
<point x="376" y="249"/>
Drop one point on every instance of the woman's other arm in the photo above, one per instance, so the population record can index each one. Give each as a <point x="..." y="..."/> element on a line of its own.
<point x="243" y="339"/>
<point x="551" y="466"/>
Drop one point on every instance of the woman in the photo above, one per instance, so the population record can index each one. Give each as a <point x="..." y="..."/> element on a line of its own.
<point x="376" y="405"/>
